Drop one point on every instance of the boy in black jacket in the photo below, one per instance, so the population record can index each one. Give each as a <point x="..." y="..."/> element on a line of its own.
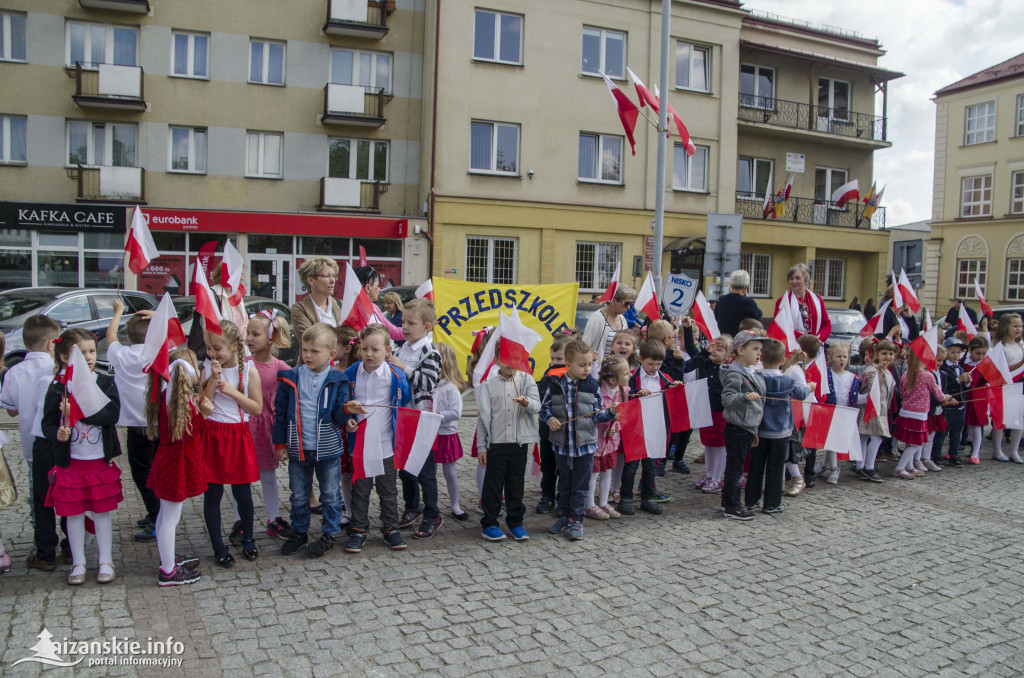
<point x="954" y="382"/>
<point x="548" y="465"/>
<point x="647" y="379"/>
<point x="675" y="361"/>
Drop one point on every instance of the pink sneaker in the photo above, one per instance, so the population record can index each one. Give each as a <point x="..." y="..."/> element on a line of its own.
<point x="703" y="481"/>
<point x="905" y="475"/>
<point x="597" y="514"/>
<point x="612" y="513"/>
<point x="974" y="461"/>
<point x="5" y="562"/>
<point x="711" y="487"/>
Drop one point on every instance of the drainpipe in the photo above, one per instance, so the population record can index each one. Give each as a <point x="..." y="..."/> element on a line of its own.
<point x="433" y="140"/>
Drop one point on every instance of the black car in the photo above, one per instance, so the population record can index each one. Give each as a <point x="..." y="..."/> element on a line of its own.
<point x="185" y="308"/>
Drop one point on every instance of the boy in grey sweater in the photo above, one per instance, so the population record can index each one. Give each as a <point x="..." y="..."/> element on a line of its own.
<point x="742" y="392"/>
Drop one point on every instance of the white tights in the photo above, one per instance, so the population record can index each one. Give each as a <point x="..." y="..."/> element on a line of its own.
<point x="104" y="539"/>
<point x="452" y="481"/>
<point x="166" y="523"/>
<point x="869" y="446"/>
<point x="926" y="449"/>
<point x="714" y="462"/>
<point x="974" y="434"/>
<point x="910" y="452"/>
<point x="793" y="470"/>
<point x="997" y="442"/>
<point x="606" y="483"/>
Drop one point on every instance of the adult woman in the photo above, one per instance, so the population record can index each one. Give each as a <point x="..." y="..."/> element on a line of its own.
<point x="855" y="304"/>
<point x="804" y="306"/>
<point x="869" y="308"/>
<point x="602" y="326"/>
<point x="391" y="304"/>
<point x="735" y="307"/>
<point x="319" y="275"/>
<point x="891" y="321"/>
<point x="370" y="280"/>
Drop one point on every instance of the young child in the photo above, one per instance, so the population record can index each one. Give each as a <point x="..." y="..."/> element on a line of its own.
<point x="348" y="355"/>
<point x="625" y="344"/>
<point x="83" y="477"/>
<point x="917" y="385"/>
<point x="647" y="379"/>
<point x="614" y="377"/>
<point x="174" y="417"/>
<point x="673" y="365"/>
<point x="809" y="346"/>
<point x="1008" y="336"/>
<point x="381" y="387"/>
<point x="873" y="431"/>
<point x="976" y="418"/>
<point x="548" y="466"/>
<point x="707" y="364"/>
<point x="844" y="389"/>
<point x="421" y="362"/>
<point x="447" y="401"/>
<point x="572" y="412"/>
<point x="309" y="417"/>
<point x="936" y="421"/>
<point x="228" y="450"/>
<point x="504" y="445"/>
<point x="743" y="390"/>
<point x="476" y="374"/>
<point x="954" y="381"/>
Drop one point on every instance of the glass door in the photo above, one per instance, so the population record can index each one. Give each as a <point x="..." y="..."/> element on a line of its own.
<point x="270" y="276"/>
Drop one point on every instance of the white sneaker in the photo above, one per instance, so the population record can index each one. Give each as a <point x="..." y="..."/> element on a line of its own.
<point x="833" y="477"/>
<point x="931" y="465"/>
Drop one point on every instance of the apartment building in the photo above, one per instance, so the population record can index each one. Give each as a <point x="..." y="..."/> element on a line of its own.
<point x="531" y="179"/>
<point x="290" y="128"/>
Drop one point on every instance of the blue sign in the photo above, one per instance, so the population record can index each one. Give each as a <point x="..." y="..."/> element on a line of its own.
<point x="678" y="294"/>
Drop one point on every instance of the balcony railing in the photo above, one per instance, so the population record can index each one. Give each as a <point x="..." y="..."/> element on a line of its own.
<point x="111" y="184"/>
<point x="110" y="86"/>
<point x="797" y="115"/>
<point x="811" y="211"/>
<point x="351" y="194"/>
<point x="358" y="18"/>
<point x="354" y="105"/>
<point x="132" y="6"/>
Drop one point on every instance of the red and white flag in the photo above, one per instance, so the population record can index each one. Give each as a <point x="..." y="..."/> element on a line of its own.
<point x="163" y="336"/>
<point x="689" y="406"/>
<point x="907" y="290"/>
<point x="426" y="290"/>
<point x="534" y="469"/>
<point x="368" y="450"/>
<point x="782" y="329"/>
<point x="206" y="302"/>
<point x="850" y="191"/>
<point x="140" y="246"/>
<point x="801" y="410"/>
<point x="705" y="317"/>
<point x="362" y="256"/>
<point x="517" y="342"/>
<point x="817" y="372"/>
<point x="609" y="293"/>
<point x="628" y="112"/>
<point x="985" y="308"/>
<point x="996" y="368"/>
<point x="874" y="324"/>
<point x="964" y="324"/>
<point x="833" y="428"/>
<point x="897" y="294"/>
<point x="684" y="134"/>
<point x="642" y="93"/>
<point x="647" y="299"/>
<point x="1006" y="405"/>
<point x="356" y="307"/>
<point x="85" y="396"/>
<point x="231" y="265"/>
<point x="415" y="433"/>
<point x="486" y="361"/>
<point x="927" y="319"/>
<point x="643" y="428"/>
<point x="926" y="346"/>
<point x="873" y="407"/>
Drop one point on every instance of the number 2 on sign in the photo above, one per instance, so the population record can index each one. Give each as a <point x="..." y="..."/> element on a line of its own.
<point x="679" y="298"/>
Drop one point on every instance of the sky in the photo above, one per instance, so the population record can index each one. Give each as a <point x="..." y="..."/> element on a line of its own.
<point x="936" y="43"/>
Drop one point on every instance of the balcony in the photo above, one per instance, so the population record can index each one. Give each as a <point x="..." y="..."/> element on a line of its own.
<point x="351" y="195"/>
<point x="358" y="18"/>
<point x="129" y="6"/>
<point x="794" y="115"/>
<point x="811" y="211"/>
<point x="354" y="105"/>
<point x="110" y="184"/>
<point x="110" y="86"/>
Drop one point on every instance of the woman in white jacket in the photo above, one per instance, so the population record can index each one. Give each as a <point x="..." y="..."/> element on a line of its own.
<point x="602" y="326"/>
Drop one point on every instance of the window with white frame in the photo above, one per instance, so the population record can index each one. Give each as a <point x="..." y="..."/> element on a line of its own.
<point x="12" y="37"/>
<point x="693" y="67"/>
<point x="595" y="264"/>
<point x="187" y="150"/>
<point x="263" y="155"/>
<point x="1017" y="193"/>
<point x="828" y="276"/>
<point x="190" y="55"/>
<point x="361" y="159"/>
<point x="826" y="181"/>
<point x="266" y="62"/>
<point x="833" y="99"/>
<point x="1015" y="279"/>
<point x="757" y="86"/>
<point x="1020" y="115"/>
<point x="94" y="144"/>
<point x="498" y="37"/>
<point x="980" y="123"/>
<point x="752" y="178"/>
<point x="604" y="51"/>
<point x="371" y="70"/>
<point x="690" y="173"/>
<point x="95" y="44"/>
<point x="12" y="139"/>
<point x="759" y="266"/>
<point x="491" y="260"/>
<point x="494" y="147"/>
<point x="967" y="270"/>
<point x="976" y="196"/>
<point x="600" y="158"/>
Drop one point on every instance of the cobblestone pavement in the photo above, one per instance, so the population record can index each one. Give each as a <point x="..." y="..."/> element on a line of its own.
<point x="907" y="578"/>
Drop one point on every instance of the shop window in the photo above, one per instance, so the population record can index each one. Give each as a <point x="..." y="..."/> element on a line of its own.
<point x="595" y="264"/>
<point x="498" y="37"/>
<point x="190" y="57"/>
<point x="324" y="247"/>
<point x="600" y="158"/>
<point x="93" y="44"/>
<point x="270" y="244"/>
<point x="371" y="70"/>
<point x="604" y="51"/>
<point x="12" y="37"/>
<point x="266" y="62"/>
<point x="15" y="268"/>
<point x="491" y="260"/>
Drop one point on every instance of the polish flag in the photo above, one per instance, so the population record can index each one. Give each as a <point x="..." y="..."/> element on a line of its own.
<point x="833" y="428"/>
<point x="368" y="450"/>
<point x="206" y="302"/>
<point x="897" y="294"/>
<point x="628" y="112"/>
<point x="817" y="372"/>
<point x="356" y="307"/>
<point x="483" y="366"/>
<point x="874" y="325"/>
<point x="985" y="308"/>
<point x="845" y="193"/>
<point x="964" y="324"/>
<point x="609" y="293"/>
<point x="231" y="265"/>
<point x="517" y="342"/>
<point x="1006" y="405"/>
<point x="426" y="290"/>
<point x="684" y="134"/>
<point x="801" y="410"/>
<point x="642" y="93"/>
<point x="996" y="368"/>
<point x="85" y="396"/>
<point x="647" y="299"/>
<point x="783" y="330"/>
<point x="769" y="199"/>
<point x="873" y="407"/>
<point x="907" y="290"/>
<point x="925" y="347"/>
<point x="415" y="433"/>
<point x="705" y="317"/>
<point x="689" y="406"/>
<point x="163" y="335"/>
<point x="534" y="470"/>
<point x="927" y="319"/>
<point x="140" y="246"/>
<point x="643" y="428"/>
<point x="362" y="256"/>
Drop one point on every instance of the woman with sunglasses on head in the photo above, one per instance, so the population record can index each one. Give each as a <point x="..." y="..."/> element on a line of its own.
<point x="605" y="324"/>
<point x="370" y="281"/>
<point x="319" y="275"/>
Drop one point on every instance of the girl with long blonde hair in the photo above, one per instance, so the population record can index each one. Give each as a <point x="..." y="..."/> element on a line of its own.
<point x="447" y="401"/>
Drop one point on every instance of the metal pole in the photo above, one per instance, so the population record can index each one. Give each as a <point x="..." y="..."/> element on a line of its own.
<point x="659" y="188"/>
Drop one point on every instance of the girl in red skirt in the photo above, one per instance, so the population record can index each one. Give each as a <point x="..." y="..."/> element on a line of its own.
<point x="976" y="418"/>
<point x="447" y="401"/>
<point x="918" y="386"/>
<point x="936" y="420"/>
<point x="84" y="477"/>
<point x="228" y="450"/>
<point x="614" y="376"/>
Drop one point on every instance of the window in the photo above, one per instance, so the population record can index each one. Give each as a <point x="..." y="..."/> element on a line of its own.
<point x="263" y="155"/>
<point x="1020" y="115"/>
<point x="190" y="58"/>
<point x="12" y="139"/>
<point x="759" y="266"/>
<point x="1015" y="279"/>
<point x="372" y="70"/>
<point x="266" y="62"/>
<point x="976" y="196"/>
<point x="595" y="264"/>
<point x="188" y="150"/>
<point x="828" y="276"/>
<point x="967" y="270"/>
<point x="95" y="44"/>
<point x="72" y="311"/>
<point x="826" y="181"/>
<point x="693" y="67"/>
<point x="498" y="37"/>
<point x="980" y="123"/>
<point x="12" y="37"/>
<point x="757" y="87"/>
<point x="1017" y="193"/>
<point x="491" y="260"/>
<point x="604" y="52"/>
<point x="833" y="99"/>
<point x="494" y="147"/>
<point x="600" y="158"/>
<point x="690" y="173"/>
<point x="101" y="143"/>
<point x="358" y="159"/>
<point x="752" y="177"/>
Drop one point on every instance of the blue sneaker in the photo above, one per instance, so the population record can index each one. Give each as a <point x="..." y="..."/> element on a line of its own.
<point x="492" y="533"/>
<point x="519" y="533"/>
<point x="659" y="468"/>
<point x="560" y="526"/>
<point x="575" y="530"/>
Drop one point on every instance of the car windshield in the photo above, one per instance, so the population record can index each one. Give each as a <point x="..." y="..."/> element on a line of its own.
<point x="847" y="323"/>
<point x="17" y="306"/>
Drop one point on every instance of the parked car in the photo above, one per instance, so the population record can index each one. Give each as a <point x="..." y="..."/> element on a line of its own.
<point x="846" y="326"/>
<point x="583" y="313"/>
<point x="998" y="311"/>
<point x="185" y="307"/>
<point x="81" y="308"/>
<point x="405" y="292"/>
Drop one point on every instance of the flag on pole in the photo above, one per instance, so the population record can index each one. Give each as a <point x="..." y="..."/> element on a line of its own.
<point x="362" y="256"/>
<point x="833" y="428"/>
<point x="907" y="290"/>
<point x="517" y="342"/>
<point x="368" y="450"/>
<point x="643" y="428"/>
<point x="206" y="302"/>
<point x="817" y="372"/>
<point x="85" y="396"/>
<point x="642" y="93"/>
<point x="783" y="196"/>
<point x="985" y="308"/>
<point x="628" y="112"/>
<point x="534" y="470"/>
<point x="996" y="368"/>
<point x="356" y="307"/>
<point x="140" y="246"/>
<point x="782" y="329"/>
<point x="426" y="290"/>
<point x="231" y="265"/>
<point x="705" y="317"/>
<point x="647" y="299"/>
<point x="415" y="433"/>
<point x="163" y="335"/>
<point x="483" y="366"/>
<point x="897" y="294"/>
<point x="964" y="324"/>
<point x="874" y="324"/>
<point x="927" y="319"/>
<point x="801" y="410"/>
<point x="845" y="193"/>
<point x="769" y="200"/>
<point x="873" y="407"/>
<point x="684" y="134"/>
<point x="609" y="293"/>
<point x="689" y="406"/>
<point x="871" y="202"/>
<point x="925" y="347"/>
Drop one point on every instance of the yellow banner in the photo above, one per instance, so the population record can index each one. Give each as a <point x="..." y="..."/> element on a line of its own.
<point x="463" y="307"/>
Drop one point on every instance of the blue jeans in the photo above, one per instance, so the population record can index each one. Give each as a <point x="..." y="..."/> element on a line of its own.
<point x="300" y="482"/>
<point x="956" y="419"/>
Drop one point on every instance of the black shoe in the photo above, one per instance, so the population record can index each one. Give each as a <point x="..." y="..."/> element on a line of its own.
<point x="679" y="466"/>
<point x="626" y="507"/>
<point x="755" y="505"/>
<point x="460" y="516"/>
<point x="317" y="510"/>
<point x="294" y="543"/>
<point x="863" y="475"/>
<point x="146" y="534"/>
<point x="394" y="538"/>
<point x="224" y="558"/>
<point x="410" y="516"/>
<point x="250" y="551"/>
<point x="773" y="509"/>
<point x="142" y="522"/>
<point x="873" y="476"/>
<point x="955" y="462"/>
<point x="321" y="546"/>
<point x="428" y="527"/>
<point x="738" y="513"/>
<point x="650" y="507"/>
<point x="236" y="534"/>
<point x="809" y="479"/>
<point x="65" y="555"/>
<point x="179" y="576"/>
<point x="187" y="562"/>
<point x="355" y="541"/>
<point x="545" y="505"/>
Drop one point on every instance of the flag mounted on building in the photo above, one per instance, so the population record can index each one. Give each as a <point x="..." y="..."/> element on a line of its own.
<point x="628" y="112"/>
<point x="140" y="246"/>
<point x="782" y="196"/>
<point x="415" y="433"/>
<point x="871" y="202"/>
<point x="643" y="428"/>
<point x="85" y="397"/>
<point x="684" y="134"/>
<point x="642" y="93"/>
<point x="850" y="191"/>
<point x="689" y="406"/>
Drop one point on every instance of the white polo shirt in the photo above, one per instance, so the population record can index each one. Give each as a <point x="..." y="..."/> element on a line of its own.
<point x="127" y="362"/>
<point x="24" y="390"/>
<point x="374" y="388"/>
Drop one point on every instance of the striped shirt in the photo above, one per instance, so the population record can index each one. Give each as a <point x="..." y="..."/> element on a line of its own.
<point x="422" y="368"/>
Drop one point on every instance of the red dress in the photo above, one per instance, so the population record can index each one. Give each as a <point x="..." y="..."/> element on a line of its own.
<point x="178" y="471"/>
<point x="977" y="400"/>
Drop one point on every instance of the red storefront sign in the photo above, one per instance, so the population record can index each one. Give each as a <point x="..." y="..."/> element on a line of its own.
<point x="331" y="225"/>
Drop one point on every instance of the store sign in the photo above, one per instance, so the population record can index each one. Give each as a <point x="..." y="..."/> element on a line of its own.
<point x="56" y="217"/>
<point x="282" y="223"/>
